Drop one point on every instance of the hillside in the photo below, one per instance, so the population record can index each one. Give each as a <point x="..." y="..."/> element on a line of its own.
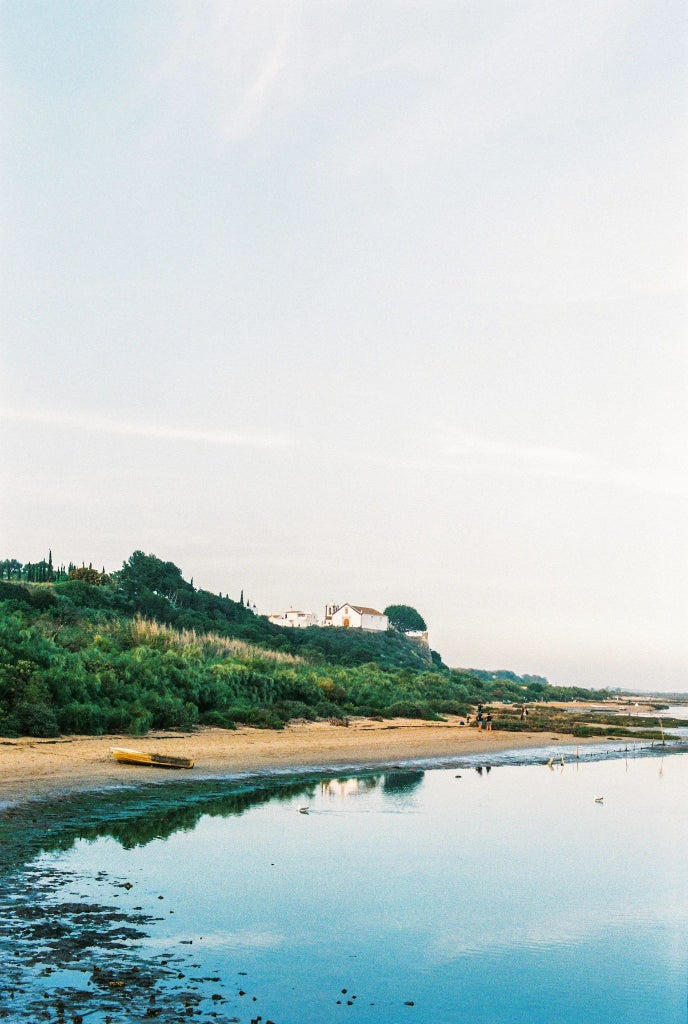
<point x="143" y="648"/>
<point x="506" y="685"/>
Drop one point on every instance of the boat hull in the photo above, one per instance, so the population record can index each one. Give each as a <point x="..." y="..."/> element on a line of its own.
<point x="125" y="756"/>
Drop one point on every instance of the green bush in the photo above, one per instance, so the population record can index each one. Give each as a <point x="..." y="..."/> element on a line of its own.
<point x="260" y="718"/>
<point x="14" y="592"/>
<point x="84" y="719"/>
<point x="325" y="709"/>
<point x="217" y="719"/>
<point x="32" y="718"/>
<point x="451" y="707"/>
<point x="288" y="709"/>
<point x="411" y="709"/>
<point x="42" y="597"/>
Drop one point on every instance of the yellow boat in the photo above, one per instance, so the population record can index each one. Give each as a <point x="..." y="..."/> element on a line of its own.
<point x="125" y="756"/>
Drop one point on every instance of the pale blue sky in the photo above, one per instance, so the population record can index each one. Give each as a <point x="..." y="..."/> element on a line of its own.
<point x="380" y="302"/>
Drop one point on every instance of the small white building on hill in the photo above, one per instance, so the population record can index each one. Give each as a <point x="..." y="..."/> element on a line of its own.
<point x="347" y="616"/>
<point x="355" y="616"/>
<point x="294" y="619"/>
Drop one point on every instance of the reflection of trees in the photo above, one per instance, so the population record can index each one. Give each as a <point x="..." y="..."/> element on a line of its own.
<point x="162" y="823"/>
<point x="132" y="817"/>
<point x="401" y="782"/>
<point x="135" y="817"/>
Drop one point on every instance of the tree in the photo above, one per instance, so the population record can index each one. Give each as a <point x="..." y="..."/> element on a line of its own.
<point x="11" y="569"/>
<point x="404" y="618"/>
<point x="143" y="574"/>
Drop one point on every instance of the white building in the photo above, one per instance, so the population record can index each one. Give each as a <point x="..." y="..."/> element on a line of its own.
<point x="294" y="619"/>
<point x="355" y="616"/>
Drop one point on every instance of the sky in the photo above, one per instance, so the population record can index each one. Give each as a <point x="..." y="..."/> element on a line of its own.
<point x="348" y="301"/>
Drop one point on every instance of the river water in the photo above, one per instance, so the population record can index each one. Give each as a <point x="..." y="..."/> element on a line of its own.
<point x="484" y="894"/>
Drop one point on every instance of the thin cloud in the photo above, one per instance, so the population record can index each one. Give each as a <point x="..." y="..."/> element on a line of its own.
<point x="499" y="457"/>
<point x="151" y="431"/>
<point x="248" y="109"/>
<point x="536" y="455"/>
<point x="222" y="68"/>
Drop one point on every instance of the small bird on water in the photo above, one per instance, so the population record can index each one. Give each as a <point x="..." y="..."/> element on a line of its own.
<point x="303" y="810"/>
<point x="599" y="799"/>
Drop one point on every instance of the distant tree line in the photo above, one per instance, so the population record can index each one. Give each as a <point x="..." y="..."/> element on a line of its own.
<point x="45" y="572"/>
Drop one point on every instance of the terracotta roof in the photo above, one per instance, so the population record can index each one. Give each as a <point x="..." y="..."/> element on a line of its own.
<point x="365" y="611"/>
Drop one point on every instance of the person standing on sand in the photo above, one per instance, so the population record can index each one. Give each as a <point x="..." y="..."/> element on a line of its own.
<point x="524" y="713"/>
<point x="479" y="717"/>
<point x="488" y="723"/>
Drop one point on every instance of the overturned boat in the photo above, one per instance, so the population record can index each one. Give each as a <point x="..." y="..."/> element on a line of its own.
<point x="125" y="756"/>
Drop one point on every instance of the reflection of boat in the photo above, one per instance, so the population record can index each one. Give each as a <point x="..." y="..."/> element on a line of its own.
<point x="153" y="760"/>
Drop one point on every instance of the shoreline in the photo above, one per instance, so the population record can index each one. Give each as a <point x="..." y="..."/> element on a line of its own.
<point x="32" y="768"/>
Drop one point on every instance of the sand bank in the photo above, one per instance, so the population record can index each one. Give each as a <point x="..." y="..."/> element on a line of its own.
<point x="31" y="768"/>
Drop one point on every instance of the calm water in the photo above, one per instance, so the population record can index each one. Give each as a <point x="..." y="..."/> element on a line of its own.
<point x="505" y="896"/>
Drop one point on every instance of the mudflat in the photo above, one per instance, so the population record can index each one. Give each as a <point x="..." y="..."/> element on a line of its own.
<point x="32" y="768"/>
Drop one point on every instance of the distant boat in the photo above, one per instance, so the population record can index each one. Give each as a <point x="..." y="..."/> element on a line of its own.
<point x="152" y="760"/>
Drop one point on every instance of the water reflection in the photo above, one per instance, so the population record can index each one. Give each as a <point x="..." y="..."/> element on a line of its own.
<point x="354" y="786"/>
<point x="402" y="782"/>
<point x="506" y="898"/>
<point x="138" y="817"/>
<point x="132" y="817"/>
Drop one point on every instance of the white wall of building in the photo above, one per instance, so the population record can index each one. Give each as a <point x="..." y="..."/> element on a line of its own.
<point x="357" y="617"/>
<point x="294" y="619"/>
<point x="376" y="621"/>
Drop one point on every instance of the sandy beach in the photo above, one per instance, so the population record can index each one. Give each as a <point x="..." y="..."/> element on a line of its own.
<point x="33" y="768"/>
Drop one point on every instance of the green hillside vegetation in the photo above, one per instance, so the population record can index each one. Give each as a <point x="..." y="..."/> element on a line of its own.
<point x="142" y="648"/>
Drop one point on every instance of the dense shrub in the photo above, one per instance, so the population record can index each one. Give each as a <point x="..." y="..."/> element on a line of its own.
<point x="410" y="709"/>
<point x="450" y="707"/>
<point x="260" y="718"/>
<point x="32" y="718"/>
<point x="219" y="719"/>
<point x="85" y="719"/>
<point x="14" y="592"/>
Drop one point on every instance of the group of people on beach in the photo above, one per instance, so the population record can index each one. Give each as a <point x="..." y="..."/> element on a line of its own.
<point x="484" y="719"/>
